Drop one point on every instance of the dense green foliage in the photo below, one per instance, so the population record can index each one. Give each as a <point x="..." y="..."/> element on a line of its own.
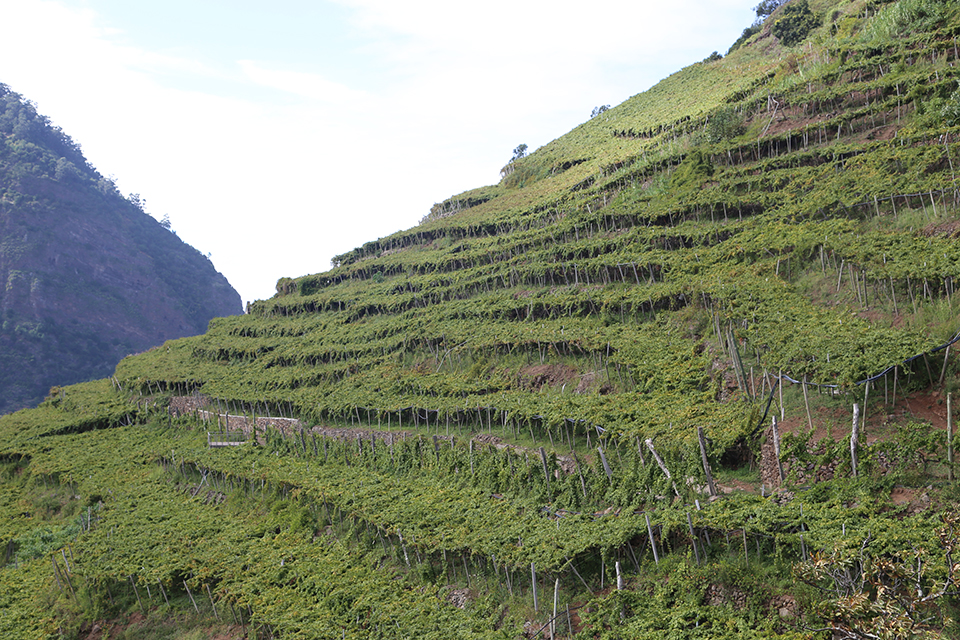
<point x="467" y="403"/>
<point x="795" y="23"/>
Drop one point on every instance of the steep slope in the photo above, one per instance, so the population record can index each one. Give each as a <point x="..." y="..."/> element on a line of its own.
<point x="523" y="396"/>
<point x="88" y="277"/>
<point x="755" y="200"/>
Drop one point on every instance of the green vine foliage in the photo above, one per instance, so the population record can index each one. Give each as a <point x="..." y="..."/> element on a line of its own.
<point x="644" y="275"/>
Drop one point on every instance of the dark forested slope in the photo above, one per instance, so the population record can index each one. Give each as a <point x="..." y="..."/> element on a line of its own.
<point x="87" y="277"/>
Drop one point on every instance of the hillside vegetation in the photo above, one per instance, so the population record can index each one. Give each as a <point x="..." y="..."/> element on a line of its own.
<point x="86" y="276"/>
<point x="490" y="424"/>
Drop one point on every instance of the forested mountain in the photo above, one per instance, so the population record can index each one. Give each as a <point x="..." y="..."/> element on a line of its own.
<point x="548" y="409"/>
<point x="88" y="277"/>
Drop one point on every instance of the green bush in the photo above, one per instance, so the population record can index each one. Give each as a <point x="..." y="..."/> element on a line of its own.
<point x="694" y="169"/>
<point x="748" y="33"/>
<point x="725" y="124"/>
<point x="795" y="24"/>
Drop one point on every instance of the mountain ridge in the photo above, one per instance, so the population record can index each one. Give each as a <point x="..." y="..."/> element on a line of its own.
<point x="89" y="276"/>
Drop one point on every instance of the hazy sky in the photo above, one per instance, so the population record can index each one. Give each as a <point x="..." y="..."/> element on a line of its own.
<point x="278" y="134"/>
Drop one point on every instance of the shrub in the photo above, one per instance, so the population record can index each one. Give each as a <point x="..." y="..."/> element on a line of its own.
<point x="795" y="24"/>
<point x="748" y="33"/>
<point x="725" y="124"/>
<point x="598" y="110"/>
<point x="692" y="171"/>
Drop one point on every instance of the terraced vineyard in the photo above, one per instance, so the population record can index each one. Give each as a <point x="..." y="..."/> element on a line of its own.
<point x="490" y="424"/>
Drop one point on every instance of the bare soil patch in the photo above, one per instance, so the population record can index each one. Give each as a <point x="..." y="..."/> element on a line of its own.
<point x="536" y="377"/>
<point x="949" y="229"/>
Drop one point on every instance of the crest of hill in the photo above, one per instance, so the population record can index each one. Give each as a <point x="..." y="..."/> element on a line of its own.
<point x="88" y="277"/>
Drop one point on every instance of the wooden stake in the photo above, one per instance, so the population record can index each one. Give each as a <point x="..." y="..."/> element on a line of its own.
<point x="137" y="593"/>
<point x="56" y="573"/>
<point x="711" y="487"/>
<point x="780" y="384"/>
<point x="212" y="603"/>
<point x="663" y="467"/>
<point x="533" y="581"/>
<point x="556" y="594"/>
<point x="693" y="538"/>
<point x="577" y="573"/>
<point x="745" y="557"/>
<point x="853" y="439"/>
<point x="806" y="402"/>
<point x="949" y="439"/>
<point x="895" y="387"/>
<point x="583" y="485"/>
<point x="643" y="462"/>
<point x="195" y="607"/>
<point x="866" y="396"/>
<point x="653" y="544"/>
<point x="606" y="467"/>
<point x="546" y="473"/>
<point x="776" y="449"/>
<point x="943" y="371"/>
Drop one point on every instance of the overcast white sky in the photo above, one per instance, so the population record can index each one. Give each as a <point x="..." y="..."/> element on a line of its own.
<point x="278" y="134"/>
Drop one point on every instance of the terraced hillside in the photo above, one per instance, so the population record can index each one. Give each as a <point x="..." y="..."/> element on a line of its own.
<point x="467" y="427"/>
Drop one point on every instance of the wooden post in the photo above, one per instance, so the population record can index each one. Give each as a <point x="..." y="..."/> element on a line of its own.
<point x="633" y="557"/>
<point x="195" y="607"/>
<point x="943" y="371"/>
<point x="653" y="544"/>
<point x="662" y="465"/>
<point x="643" y="462"/>
<point x="711" y="487"/>
<point x="745" y="557"/>
<point x="583" y="484"/>
<point x="619" y="576"/>
<point x="693" y="538"/>
<point x="212" y="603"/>
<point x="546" y="473"/>
<point x="853" y="439"/>
<point x="776" y="449"/>
<point x="737" y="364"/>
<point x="895" y="386"/>
<point x="780" y="383"/>
<point x="806" y="403"/>
<point x="163" y="592"/>
<point x="866" y="396"/>
<point x="56" y="572"/>
<point x="137" y="593"/>
<point x="577" y="573"/>
<point x="556" y="594"/>
<point x="606" y="467"/>
<point x="533" y="581"/>
<point x="949" y="439"/>
<point x="406" y="556"/>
